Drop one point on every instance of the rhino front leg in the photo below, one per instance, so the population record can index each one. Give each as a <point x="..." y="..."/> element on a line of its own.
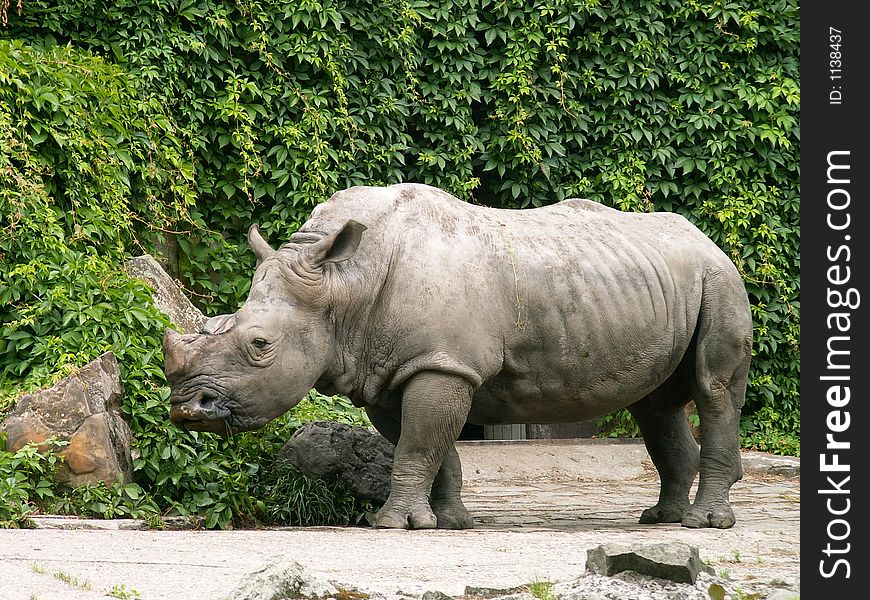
<point x="445" y="498"/>
<point x="446" y="501"/>
<point x="434" y="408"/>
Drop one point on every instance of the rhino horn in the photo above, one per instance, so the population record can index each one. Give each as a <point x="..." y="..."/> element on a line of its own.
<point x="262" y="249"/>
<point x="175" y="359"/>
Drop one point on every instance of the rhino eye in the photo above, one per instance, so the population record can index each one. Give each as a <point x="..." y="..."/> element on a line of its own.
<point x="260" y="343"/>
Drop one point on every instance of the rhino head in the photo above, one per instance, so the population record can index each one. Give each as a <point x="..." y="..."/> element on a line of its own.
<point x="245" y="369"/>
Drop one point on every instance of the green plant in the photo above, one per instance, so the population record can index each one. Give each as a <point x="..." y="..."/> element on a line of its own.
<point x="618" y="424"/>
<point x="286" y="496"/>
<point x="72" y="580"/>
<point x="734" y="558"/>
<point x="293" y="498"/>
<point x="123" y="592"/>
<point x="26" y="480"/>
<point x="106" y="501"/>
<point x="234" y="480"/>
<point x="542" y="590"/>
<point x="716" y="592"/>
<point x="82" y="159"/>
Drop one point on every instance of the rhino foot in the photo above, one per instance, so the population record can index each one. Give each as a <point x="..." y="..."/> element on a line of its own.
<point x="664" y="513"/>
<point x="416" y="517"/>
<point x="452" y="514"/>
<point x="719" y="516"/>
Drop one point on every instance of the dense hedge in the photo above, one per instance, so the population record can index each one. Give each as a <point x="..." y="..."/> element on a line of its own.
<point x="644" y="105"/>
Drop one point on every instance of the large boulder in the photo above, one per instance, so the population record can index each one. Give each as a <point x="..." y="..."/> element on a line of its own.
<point x="358" y="458"/>
<point x="84" y="410"/>
<point x="283" y="578"/>
<point x="675" y="561"/>
<point x="168" y="297"/>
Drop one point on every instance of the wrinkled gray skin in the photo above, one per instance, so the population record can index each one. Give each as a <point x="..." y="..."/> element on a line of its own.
<point x="430" y="312"/>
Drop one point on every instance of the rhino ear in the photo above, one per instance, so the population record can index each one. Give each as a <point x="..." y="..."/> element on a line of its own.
<point x="337" y="246"/>
<point x="218" y="324"/>
<point x="262" y="249"/>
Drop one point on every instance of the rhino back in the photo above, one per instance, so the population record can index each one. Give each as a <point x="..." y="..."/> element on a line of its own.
<point x="574" y="303"/>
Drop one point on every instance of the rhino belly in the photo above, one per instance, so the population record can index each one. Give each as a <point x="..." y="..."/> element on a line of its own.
<point x="570" y="372"/>
<point x="548" y="398"/>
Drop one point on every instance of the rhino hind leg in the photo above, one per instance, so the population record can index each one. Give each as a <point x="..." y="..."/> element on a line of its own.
<point x="427" y="476"/>
<point x="723" y="346"/>
<point x="668" y="438"/>
<point x="721" y="464"/>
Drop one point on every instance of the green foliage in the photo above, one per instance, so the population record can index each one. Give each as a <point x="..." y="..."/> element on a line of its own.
<point x="25" y="478"/>
<point x="618" y="425"/>
<point x="123" y="592"/>
<point x="542" y="590"/>
<point x="120" y="121"/>
<point x="103" y="501"/>
<point x="293" y="498"/>
<point x="290" y="497"/>
<point x="83" y="161"/>
<point x="27" y="487"/>
<point x="236" y="481"/>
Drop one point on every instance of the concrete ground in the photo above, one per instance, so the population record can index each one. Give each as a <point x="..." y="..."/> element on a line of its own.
<point x="538" y="507"/>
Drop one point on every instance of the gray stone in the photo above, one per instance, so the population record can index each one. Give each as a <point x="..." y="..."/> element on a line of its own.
<point x="168" y="297"/>
<point x="358" y="458"/>
<point x="770" y="464"/>
<point x="435" y="595"/>
<point x="280" y="579"/>
<point x="675" y="561"/>
<point x="83" y="410"/>
<point x="629" y="585"/>
<point x="77" y="523"/>
<point x="486" y="593"/>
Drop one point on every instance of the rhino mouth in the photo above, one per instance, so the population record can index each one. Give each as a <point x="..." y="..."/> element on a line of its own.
<point x="201" y="408"/>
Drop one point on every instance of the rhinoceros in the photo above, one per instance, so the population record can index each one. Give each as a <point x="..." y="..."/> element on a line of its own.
<point x="431" y="312"/>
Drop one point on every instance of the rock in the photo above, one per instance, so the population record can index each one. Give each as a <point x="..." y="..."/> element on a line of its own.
<point x="168" y="298"/>
<point x="675" y="561"/>
<point x="83" y="410"/>
<point x="486" y="593"/>
<point x="358" y="458"/>
<point x="78" y="523"/>
<point x="279" y="579"/>
<point x="634" y="586"/>
<point x="770" y="464"/>
<point x="435" y="595"/>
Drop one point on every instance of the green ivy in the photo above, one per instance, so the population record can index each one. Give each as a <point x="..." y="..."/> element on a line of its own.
<point x="25" y="479"/>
